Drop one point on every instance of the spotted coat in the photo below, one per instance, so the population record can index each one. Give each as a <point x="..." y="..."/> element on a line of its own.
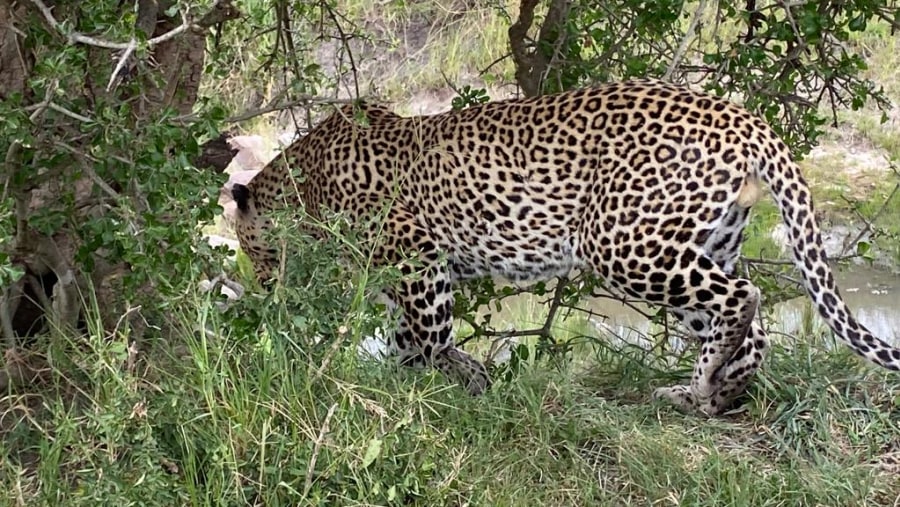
<point x="644" y="183"/>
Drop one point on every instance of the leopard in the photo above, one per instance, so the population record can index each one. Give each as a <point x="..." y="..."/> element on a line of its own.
<point x="645" y="184"/>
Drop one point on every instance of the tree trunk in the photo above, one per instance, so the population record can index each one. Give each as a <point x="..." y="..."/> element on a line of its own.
<point x="533" y="63"/>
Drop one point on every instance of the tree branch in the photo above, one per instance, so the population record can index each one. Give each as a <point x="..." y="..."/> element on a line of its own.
<point x="532" y="62"/>
<point x="345" y="42"/>
<point x="525" y="62"/>
<point x="552" y="33"/>
<point x="123" y="60"/>
<point x="302" y="100"/>
<point x="868" y="227"/>
<point x="71" y="114"/>
<point x="686" y="40"/>
<point x="92" y="41"/>
<point x="542" y="332"/>
<point x="221" y="10"/>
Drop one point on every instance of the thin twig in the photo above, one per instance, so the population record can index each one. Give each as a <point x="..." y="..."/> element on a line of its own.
<point x="590" y="313"/>
<point x="287" y="36"/>
<point x="38" y="109"/>
<point x="623" y="299"/>
<point x="71" y="114"/>
<point x="345" y="43"/>
<point x="311" y="468"/>
<point x="302" y="100"/>
<point x="100" y="183"/>
<point x="44" y="104"/>
<point x="777" y="274"/>
<point x="778" y="262"/>
<point x="542" y="332"/>
<point x="489" y="66"/>
<point x="449" y="83"/>
<point x="769" y="262"/>
<point x="92" y="158"/>
<point x="881" y="210"/>
<point x="89" y="171"/>
<point x="123" y="60"/>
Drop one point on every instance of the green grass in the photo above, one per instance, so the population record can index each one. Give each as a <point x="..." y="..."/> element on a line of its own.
<point x="457" y="42"/>
<point x="758" y="243"/>
<point x="237" y="418"/>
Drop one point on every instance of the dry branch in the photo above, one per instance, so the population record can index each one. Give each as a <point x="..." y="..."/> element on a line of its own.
<point x="220" y="11"/>
<point x="74" y="37"/>
<point x="298" y="101"/>
<point x="686" y="40"/>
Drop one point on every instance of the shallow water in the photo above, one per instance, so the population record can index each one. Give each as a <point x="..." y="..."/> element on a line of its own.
<point x="872" y="295"/>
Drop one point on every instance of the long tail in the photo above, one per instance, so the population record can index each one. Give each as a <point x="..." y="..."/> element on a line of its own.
<point x="794" y="200"/>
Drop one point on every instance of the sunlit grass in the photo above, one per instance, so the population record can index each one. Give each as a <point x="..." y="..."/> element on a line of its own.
<point x="225" y="418"/>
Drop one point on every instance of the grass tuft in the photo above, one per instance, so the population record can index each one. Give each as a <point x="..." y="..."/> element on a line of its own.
<point x="237" y="418"/>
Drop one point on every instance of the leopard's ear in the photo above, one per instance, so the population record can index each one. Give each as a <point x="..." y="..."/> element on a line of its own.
<point x="241" y="195"/>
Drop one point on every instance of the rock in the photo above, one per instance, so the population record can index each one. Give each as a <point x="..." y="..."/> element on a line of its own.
<point x="252" y="152"/>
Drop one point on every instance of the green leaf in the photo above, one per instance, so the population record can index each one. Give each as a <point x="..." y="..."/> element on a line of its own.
<point x="372" y="452"/>
<point x="392" y="493"/>
<point x="858" y="24"/>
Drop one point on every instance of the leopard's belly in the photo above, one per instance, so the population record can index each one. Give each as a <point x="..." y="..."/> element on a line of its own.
<point x="516" y="251"/>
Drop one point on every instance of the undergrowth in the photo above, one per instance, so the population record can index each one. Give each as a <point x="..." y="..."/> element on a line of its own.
<point x="237" y="419"/>
<point x="272" y="402"/>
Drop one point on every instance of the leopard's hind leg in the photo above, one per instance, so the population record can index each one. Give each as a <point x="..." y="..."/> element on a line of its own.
<point x="732" y="342"/>
<point x="714" y="388"/>
<point x="716" y="306"/>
